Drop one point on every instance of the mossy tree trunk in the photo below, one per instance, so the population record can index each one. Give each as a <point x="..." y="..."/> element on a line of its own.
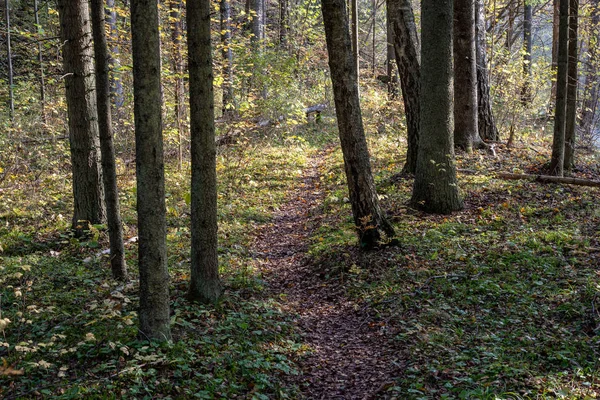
<point x="152" y="229"/>
<point x="436" y="189"/>
<point x="84" y="141"/>
<point x="368" y="217"/>
<point x="205" y="285"/>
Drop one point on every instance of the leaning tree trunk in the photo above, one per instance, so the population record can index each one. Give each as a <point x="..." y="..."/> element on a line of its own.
<point x="485" y="118"/>
<point x="466" y="131"/>
<point x="88" y="192"/>
<point x="205" y="285"/>
<point x="152" y="227"/>
<point x="571" y="112"/>
<point x="109" y="169"/>
<point x="558" y="144"/>
<point x="590" y="92"/>
<point x="436" y="187"/>
<point x="372" y="226"/>
<point x="527" y="47"/>
<point x="406" y="49"/>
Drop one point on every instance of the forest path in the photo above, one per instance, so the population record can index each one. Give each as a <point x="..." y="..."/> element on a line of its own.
<point x="349" y="357"/>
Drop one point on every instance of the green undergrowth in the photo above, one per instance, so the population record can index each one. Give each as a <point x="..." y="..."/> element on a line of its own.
<point x="498" y="301"/>
<point x="69" y="330"/>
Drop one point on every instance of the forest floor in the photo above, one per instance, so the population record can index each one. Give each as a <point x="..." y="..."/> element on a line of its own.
<point x="499" y="300"/>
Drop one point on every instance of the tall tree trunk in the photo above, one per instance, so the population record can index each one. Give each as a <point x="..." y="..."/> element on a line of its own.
<point x="590" y="92"/>
<point x="558" y="144"/>
<point x="527" y="46"/>
<point x="368" y="217"/>
<point x="257" y="8"/>
<point x="373" y="62"/>
<point x="283" y="23"/>
<point x="572" y="79"/>
<point x="466" y="131"/>
<point x="407" y="49"/>
<point x="38" y="29"/>
<point x="205" y="285"/>
<point x="227" y="54"/>
<point x="11" y="99"/>
<point x="88" y="192"/>
<point x="355" y="48"/>
<point x="175" y="7"/>
<point x="109" y="169"/>
<point x="485" y="118"/>
<point x="555" y="33"/>
<point x="436" y="187"/>
<point x="116" y="84"/>
<point x="152" y="229"/>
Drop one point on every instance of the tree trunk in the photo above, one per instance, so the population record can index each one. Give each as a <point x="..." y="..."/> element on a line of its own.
<point x="527" y="47"/>
<point x="406" y="49"/>
<point x="485" y="118"/>
<point x="205" y="285"/>
<point x="152" y="258"/>
<point x="283" y="23"/>
<point x="175" y="7"/>
<point x="590" y="92"/>
<point x="38" y="29"/>
<point x="88" y="192"/>
<point x="11" y="99"/>
<point x="558" y="144"/>
<point x="257" y="8"/>
<point x="355" y="49"/>
<point x="372" y="226"/>
<point x="227" y="54"/>
<point x="390" y="57"/>
<point x="555" y="33"/>
<point x="572" y="79"/>
<point x="466" y="133"/>
<point x="436" y="187"/>
<point x="109" y="169"/>
<point x="116" y="85"/>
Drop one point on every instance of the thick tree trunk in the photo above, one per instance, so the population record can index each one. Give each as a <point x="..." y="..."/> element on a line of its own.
<point x="407" y="49"/>
<point x="372" y="226"/>
<point x="572" y="79"/>
<point x="175" y="7"/>
<point x="257" y="8"/>
<point x="485" y="118"/>
<point x="11" y="99"/>
<point x="88" y="192"/>
<point x="116" y="84"/>
<point x="109" y="169"/>
<point x="527" y="47"/>
<point x="227" y="55"/>
<point x="558" y="144"/>
<point x="436" y="187"/>
<point x="590" y="92"/>
<point x="205" y="285"/>
<point x="466" y="130"/>
<point x="152" y="258"/>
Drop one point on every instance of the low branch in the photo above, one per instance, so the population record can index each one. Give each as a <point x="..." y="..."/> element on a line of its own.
<point x="548" y="179"/>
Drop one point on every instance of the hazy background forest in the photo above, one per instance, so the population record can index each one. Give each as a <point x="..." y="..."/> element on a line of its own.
<point x="498" y="300"/>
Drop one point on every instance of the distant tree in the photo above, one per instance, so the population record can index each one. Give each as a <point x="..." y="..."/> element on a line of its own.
<point x="175" y="8"/>
<point x="227" y="54"/>
<point x="368" y="217"/>
<point x="116" y="84"/>
<point x="77" y="50"/>
<point x="466" y="129"/>
<point x="11" y="99"/>
<point x="109" y="169"/>
<point x="572" y="79"/>
<point x="591" y="86"/>
<point x="436" y="187"/>
<point x="205" y="285"/>
<point x="407" y="53"/>
<point x="487" y="126"/>
<point x="38" y="29"/>
<point x="152" y="257"/>
<point x="527" y="47"/>
<point x="558" y="143"/>
<point x="283" y="22"/>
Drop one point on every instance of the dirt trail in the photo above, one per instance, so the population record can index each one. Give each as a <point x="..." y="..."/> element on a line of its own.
<point x="351" y="358"/>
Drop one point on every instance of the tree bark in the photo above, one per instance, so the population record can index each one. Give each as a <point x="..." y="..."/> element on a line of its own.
<point x="109" y="169"/>
<point x="436" y="188"/>
<point x="572" y="79"/>
<point x="373" y="228"/>
<point x="466" y="131"/>
<point x="406" y="49"/>
<point x="558" y="144"/>
<point x="355" y="49"/>
<point x="527" y="46"/>
<point x="487" y="125"/>
<point x="227" y="55"/>
<point x="205" y="285"/>
<point x="88" y="192"/>
<point x="152" y="258"/>
<point x="590" y="92"/>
